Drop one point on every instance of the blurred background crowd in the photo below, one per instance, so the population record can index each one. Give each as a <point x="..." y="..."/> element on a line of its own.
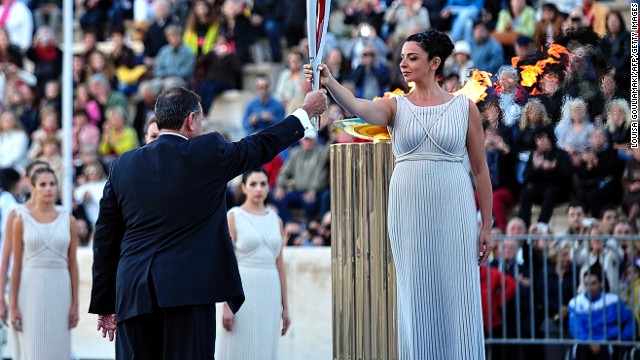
<point x="563" y="136"/>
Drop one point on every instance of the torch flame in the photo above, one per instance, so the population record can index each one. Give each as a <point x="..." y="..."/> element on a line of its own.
<point x="476" y="87"/>
<point x="530" y="73"/>
<point x="396" y="92"/>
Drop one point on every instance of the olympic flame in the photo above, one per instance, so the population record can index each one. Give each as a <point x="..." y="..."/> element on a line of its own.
<point x="530" y="73"/>
<point x="476" y="87"/>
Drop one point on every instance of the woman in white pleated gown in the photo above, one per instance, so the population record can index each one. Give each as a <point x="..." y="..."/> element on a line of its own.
<point x="44" y="280"/>
<point x="258" y="236"/>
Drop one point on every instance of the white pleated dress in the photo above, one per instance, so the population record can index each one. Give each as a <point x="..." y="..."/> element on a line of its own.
<point x="257" y="323"/>
<point x="433" y="232"/>
<point x="44" y="297"/>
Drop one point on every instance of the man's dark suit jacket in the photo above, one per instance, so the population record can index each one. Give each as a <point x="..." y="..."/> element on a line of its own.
<point x="163" y="218"/>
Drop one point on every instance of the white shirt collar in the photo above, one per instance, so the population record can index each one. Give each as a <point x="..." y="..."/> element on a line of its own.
<point x="174" y="133"/>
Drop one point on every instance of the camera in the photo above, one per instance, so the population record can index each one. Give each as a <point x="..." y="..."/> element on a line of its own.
<point x="588" y="222"/>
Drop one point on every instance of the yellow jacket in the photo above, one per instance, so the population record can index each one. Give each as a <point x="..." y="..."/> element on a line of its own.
<point x="190" y="39"/>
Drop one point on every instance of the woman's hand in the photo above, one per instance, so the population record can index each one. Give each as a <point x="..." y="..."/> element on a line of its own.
<point x="227" y="318"/>
<point x="73" y="317"/>
<point x="16" y="319"/>
<point x="286" y="321"/>
<point x="325" y="74"/>
<point x="485" y="245"/>
<point x="4" y="311"/>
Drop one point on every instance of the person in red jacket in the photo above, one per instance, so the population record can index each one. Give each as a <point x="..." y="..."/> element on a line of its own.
<point x="497" y="290"/>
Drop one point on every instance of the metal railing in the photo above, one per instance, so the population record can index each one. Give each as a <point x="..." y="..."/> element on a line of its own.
<point x="544" y="309"/>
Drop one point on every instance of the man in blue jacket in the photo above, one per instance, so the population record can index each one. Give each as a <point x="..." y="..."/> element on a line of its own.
<point x="162" y="252"/>
<point x="598" y="315"/>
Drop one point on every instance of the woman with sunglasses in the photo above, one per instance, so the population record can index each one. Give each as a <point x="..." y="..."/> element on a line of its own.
<point x="432" y="224"/>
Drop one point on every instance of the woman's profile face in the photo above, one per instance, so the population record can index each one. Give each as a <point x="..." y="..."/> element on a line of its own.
<point x="256" y="187"/>
<point x="414" y="63"/>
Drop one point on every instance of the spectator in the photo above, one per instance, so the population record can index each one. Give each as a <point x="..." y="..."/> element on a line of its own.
<point x="596" y="16"/>
<point x="486" y="53"/>
<point x="606" y="254"/>
<point x="49" y="126"/>
<point x="201" y="30"/>
<point x="267" y="17"/>
<point x="237" y="29"/>
<point x="83" y="133"/>
<point x="52" y="155"/>
<point x="223" y="72"/>
<point x="18" y="21"/>
<point x="631" y="294"/>
<point x="574" y="129"/>
<point x="552" y="95"/>
<point x="618" y="126"/>
<point x="79" y="68"/>
<point x="369" y="12"/>
<point x="47" y="13"/>
<point x="14" y="142"/>
<point x="52" y="97"/>
<point x="117" y="137"/>
<point x="290" y="81"/>
<point x="46" y="56"/>
<point x="9" y="53"/>
<point x="578" y="225"/>
<point x="617" y="45"/>
<point x="84" y="101"/>
<point x="154" y="38"/>
<point x="511" y="96"/>
<point x="534" y="117"/>
<point x="464" y="14"/>
<point x="497" y="291"/>
<point x="88" y="155"/>
<point x="95" y="16"/>
<point x="608" y="219"/>
<point x="151" y="132"/>
<point x="598" y="172"/>
<point x="371" y="77"/>
<point x="631" y="186"/>
<point x="501" y="160"/>
<point x="460" y="63"/>
<point x="301" y="180"/>
<point x="339" y="67"/>
<point x="598" y="315"/>
<point x="406" y="17"/>
<point x="174" y="60"/>
<point x="553" y="299"/>
<point x="148" y="93"/>
<point x="517" y="18"/>
<point x="99" y="64"/>
<point x="549" y="28"/>
<point x="546" y="178"/>
<point x="89" y="193"/>
<point x="607" y="93"/>
<point x="127" y="71"/>
<point x="100" y="90"/>
<point x="264" y="110"/>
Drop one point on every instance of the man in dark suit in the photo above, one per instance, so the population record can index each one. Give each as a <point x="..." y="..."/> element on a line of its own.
<point x="162" y="252"/>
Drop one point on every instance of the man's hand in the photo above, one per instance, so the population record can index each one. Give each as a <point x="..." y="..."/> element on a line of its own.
<point x="107" y="324"/>
<point x="315" y="103"/>
<point x="227" y="318"/>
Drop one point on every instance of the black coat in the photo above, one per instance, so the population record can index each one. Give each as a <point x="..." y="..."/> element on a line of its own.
<point x="163" y="218"/>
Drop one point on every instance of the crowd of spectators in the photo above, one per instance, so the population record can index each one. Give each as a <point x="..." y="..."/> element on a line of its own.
<point x="565" y="137"/>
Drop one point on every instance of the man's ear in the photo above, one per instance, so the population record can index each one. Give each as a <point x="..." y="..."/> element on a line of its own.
<point x="191" y="121"/>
